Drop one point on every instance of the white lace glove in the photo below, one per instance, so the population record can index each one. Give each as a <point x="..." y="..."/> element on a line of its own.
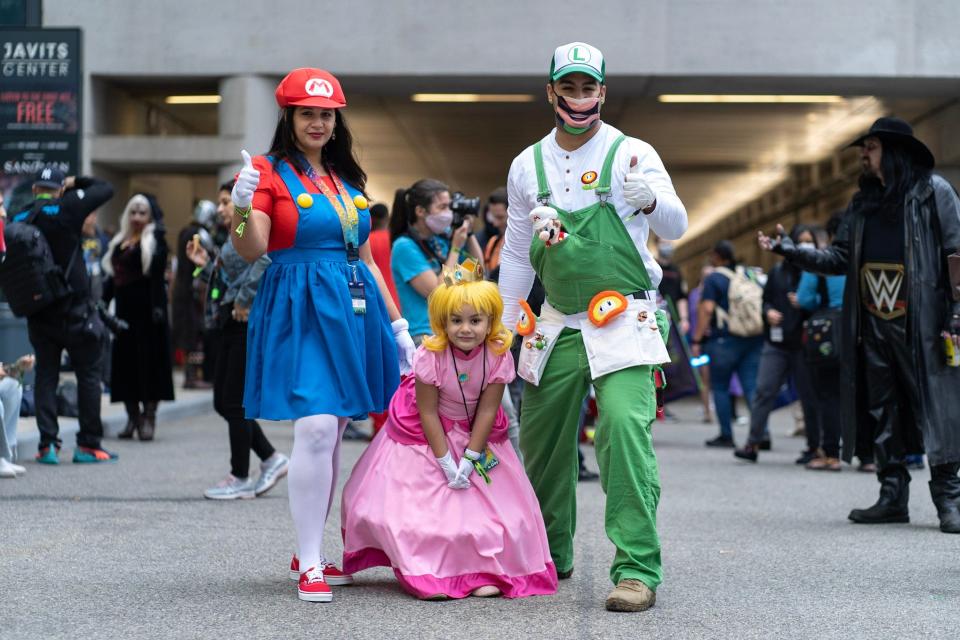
<point x="449" y="467"/>
<point x="636" y="191"/>
<point x="465" y="469"/>
<point x="405" y="346"/>
<point x="247" y="181"/>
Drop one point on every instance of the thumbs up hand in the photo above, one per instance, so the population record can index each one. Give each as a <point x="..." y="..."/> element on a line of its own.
<point x="247" y="181"/>
<point x="636" y="191"/>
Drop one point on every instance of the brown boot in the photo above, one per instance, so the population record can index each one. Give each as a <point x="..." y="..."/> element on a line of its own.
<point x="134" y="421"/>
<point x="149" y="420"/>
<point x="631" y="595"/>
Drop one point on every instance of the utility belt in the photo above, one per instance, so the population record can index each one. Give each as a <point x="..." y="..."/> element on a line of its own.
<point x="619" y="331"/>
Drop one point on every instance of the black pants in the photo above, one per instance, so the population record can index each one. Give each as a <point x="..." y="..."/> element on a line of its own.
<point x="825" y="386"/>
<point x="892" y="390"/>
<point x="777" y="365"/>
<point x="84" y="343"/>
<point x="231" y="364"/>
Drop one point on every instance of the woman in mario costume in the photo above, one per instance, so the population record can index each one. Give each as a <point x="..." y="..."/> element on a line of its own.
<point x="325" y="336"/>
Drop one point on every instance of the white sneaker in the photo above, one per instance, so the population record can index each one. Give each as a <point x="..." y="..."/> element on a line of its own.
<point x="7" y="469"/>
<point x="231" y="488"/>
<point x="271" y="470"/>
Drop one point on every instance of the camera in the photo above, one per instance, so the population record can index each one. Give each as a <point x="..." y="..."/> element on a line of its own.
<point x="462" y="206"/>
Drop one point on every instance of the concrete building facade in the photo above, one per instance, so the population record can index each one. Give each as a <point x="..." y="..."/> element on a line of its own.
<point x="874" y="57"/>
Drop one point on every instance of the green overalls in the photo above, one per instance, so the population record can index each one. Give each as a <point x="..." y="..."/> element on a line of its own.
<point x="598" y="254"/>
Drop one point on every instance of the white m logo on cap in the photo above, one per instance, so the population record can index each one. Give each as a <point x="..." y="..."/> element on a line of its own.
<point x="319" y="87"/>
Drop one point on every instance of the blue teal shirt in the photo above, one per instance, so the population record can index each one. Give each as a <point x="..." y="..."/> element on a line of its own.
<point x="808" y="296"/>
<point x="407" y="261"/>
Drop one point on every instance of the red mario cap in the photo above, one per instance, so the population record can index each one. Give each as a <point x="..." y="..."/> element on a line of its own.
<point x="309" y="87"/>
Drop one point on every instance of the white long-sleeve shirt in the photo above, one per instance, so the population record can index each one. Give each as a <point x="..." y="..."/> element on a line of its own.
<point x="564" y="170"/>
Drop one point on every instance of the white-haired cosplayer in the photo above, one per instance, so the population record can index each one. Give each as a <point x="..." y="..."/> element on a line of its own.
<point x="141" y="367"/>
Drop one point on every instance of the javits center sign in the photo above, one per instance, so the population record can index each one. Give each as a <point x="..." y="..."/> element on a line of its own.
<point x="40" y="80"/>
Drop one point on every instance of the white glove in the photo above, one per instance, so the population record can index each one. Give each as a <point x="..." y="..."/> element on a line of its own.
<point x="636" y="191"/>
<point x="449" y="467"/>
<point x="465" y="469"/>
<point x="405" y="345"/>
<point x="247" y="181"/>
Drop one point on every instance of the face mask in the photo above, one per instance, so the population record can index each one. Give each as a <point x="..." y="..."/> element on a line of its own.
<point x="577" y="115"/>
<point x="807" y="245"/>
<point x="439" y="222"/>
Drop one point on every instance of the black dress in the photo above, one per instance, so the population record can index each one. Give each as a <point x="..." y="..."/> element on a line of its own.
<point x="142" y="362"/>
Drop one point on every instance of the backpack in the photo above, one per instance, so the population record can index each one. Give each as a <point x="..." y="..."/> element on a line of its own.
<point x="30" y="278"/>
<point x="744" y="315"/>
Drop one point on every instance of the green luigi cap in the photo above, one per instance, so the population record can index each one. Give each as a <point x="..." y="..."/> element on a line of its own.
<point x="577" y="57"/>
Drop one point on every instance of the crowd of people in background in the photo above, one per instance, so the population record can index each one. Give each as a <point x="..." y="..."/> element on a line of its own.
<point x="202" y="324"/>
<point x="291" y="258"/>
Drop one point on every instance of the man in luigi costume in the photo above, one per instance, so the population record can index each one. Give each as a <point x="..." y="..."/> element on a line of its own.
<point x="606" y="191"/>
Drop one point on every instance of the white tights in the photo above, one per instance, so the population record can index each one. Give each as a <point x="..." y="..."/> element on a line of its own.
<point x="312" y="480"/>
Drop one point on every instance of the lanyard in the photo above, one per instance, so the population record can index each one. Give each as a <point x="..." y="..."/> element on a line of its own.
<point x="486" y="461"/>
<point x="343" y="205"/>
<point x="460" y="382"/>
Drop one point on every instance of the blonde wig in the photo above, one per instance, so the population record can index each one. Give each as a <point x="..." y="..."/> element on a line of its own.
<point x="148" y="243"/>
<point x="482" y="296"/>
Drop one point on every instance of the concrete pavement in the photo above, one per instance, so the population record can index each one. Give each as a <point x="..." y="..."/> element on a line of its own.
<point x="132" y="550"/>
<point x="187" y="404"/>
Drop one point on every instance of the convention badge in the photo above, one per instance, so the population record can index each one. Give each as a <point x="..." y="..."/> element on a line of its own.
<point x="357" y="297"/>
<point x="359" y="202"/>
<point x="527" y="322"/>
<point x="605" y="306"/>
<point x="485" y="463"/>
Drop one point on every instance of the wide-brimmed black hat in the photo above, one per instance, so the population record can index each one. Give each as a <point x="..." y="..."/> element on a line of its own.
<point x="899" y="131"/>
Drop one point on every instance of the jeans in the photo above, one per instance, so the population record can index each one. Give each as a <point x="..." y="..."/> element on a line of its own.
<point x="10" y="394"/>
<point x="776" y="364"/>
<point x="729" y="355"/>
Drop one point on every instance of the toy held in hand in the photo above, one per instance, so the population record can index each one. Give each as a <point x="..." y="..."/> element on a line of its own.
<point x="547" y="226"/>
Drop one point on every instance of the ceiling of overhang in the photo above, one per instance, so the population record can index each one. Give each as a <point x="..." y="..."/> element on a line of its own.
<point x="719" y="156"/>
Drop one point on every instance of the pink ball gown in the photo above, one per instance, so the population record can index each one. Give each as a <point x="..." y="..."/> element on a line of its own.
<point x="398" y="512"/>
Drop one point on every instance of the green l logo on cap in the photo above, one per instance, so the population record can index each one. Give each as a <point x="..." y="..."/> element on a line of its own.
<point x="575" y="55"/>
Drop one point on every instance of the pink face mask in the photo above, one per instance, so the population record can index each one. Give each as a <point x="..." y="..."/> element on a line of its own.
<point x="578" y="113"/>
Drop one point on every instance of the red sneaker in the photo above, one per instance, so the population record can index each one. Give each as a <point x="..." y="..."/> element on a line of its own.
<point x="333" y="575"/>
<point x="312" y="587"/>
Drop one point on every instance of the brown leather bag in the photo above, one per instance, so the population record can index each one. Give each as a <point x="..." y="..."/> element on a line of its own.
<point x="953" y="263"/>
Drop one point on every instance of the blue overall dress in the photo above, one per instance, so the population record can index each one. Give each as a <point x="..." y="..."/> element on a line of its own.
<point x="308" y="353"/>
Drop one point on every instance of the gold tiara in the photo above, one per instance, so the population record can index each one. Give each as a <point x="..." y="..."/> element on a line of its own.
<point x="468" y="271"/>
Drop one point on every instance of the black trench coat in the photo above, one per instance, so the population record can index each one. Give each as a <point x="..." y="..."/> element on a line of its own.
<point x="932" y="231"/>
